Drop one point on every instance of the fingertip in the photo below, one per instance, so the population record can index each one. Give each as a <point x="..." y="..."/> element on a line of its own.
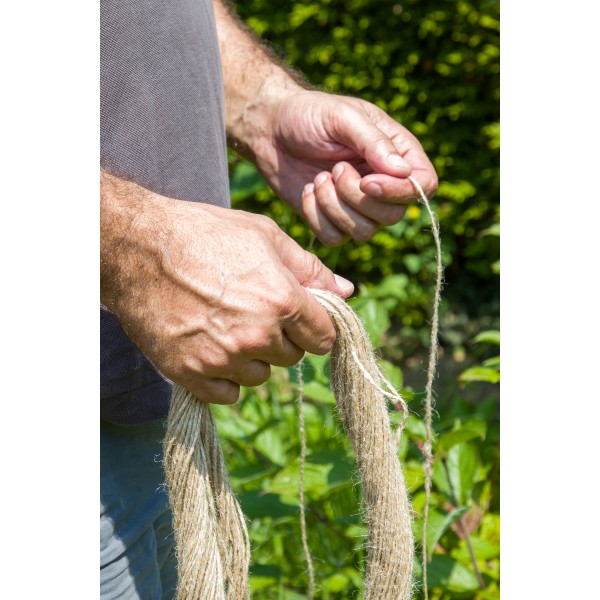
<point x="309" y="188"/>
<point x="346" y="287"/>
<point x="219" y="391"/>
<point x="337" y="170"/>
<point x="321" y="178"/>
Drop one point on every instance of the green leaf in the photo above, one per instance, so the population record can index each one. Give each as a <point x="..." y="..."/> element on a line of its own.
<point x="469" y="430"/>
<point x="462" y="467"/>
<point x="270" y="444"/>
<point x="249" y="473"/>
<point x="450" y="575"/>
<point x="258" y="504"/>
<point x="438" y="523"/>
<point x="246" y="181"/>
<point x="483" y="549"/>
<point x="336" y="583"/>
<point x="493" y="362"/>
<point x="487" y="374"/>
<point x="413" y="262"/>
<point x="375" y="318"/>
<point x="415" y="428"/>
<point x="319" y="392"/>
<point x="492" y="230"/>
<point x="318" y="366"/>
<point x="392" y="373"/>
<point x="413" y="475"/>
<point x="394" y="286"/>
<point x="491" y="336"/>
<point x="315" y="479"/>
<point x="262" y="576"/>
<point x="342" y="467"/>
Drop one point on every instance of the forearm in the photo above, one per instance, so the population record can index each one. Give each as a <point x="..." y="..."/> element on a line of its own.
<point x="254" y="80"/>
<point x="129" y="215"/>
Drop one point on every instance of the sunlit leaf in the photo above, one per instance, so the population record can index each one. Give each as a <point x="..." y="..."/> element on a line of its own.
<point x="450" y="575"/>
<point x="317" y="391"/>
<point x="469" y="430"/>
<point x="486" y="374"/>
<point x="491" y="337"/>
<point x="438" y="523"/>
<point x="375" y="319"/>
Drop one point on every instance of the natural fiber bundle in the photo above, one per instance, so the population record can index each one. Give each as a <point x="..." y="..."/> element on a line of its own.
<point x="211" y="539"/>
<point x="363" y="411"/>
<point x="210" y="531"/>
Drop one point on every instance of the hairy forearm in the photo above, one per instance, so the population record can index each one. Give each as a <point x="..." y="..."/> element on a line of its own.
<point x="254" y="80"/>
<point x="129" y="227"/>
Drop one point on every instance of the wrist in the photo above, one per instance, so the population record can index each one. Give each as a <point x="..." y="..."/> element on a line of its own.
<point x="252" y="117"/>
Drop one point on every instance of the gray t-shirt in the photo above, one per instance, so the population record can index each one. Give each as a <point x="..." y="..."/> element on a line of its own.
<point x="162" y="126"/>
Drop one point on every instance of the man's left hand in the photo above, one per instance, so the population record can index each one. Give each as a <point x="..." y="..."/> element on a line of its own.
<point x="343" y="164"/>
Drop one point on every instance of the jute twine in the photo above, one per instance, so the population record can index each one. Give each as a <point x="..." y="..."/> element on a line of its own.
<point x="211" y="538"/>
<point x="210" y="532"/>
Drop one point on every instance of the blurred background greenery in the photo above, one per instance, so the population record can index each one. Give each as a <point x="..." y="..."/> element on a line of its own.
<point x="434" y="66"/>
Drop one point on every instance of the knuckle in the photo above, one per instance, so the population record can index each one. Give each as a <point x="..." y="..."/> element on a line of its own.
<point x="362" y="233"/>
<point x="314" y="267"/>
<point x="391" y="217"/>
<point x="326" y="342"/>
<point x="286" y="305"/>
<point x="332" y="238"/>
<point x="255" y="341"/>
<point x="267" y="224"/>
<point x="215" y="362"/>
<point x="384" y="145"/>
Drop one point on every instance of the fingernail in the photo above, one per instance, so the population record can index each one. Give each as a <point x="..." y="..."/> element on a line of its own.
<point x="373" y="189"/>
<point x="337" y="171"/>
<point x="344" y="284"/>
<point x="309" y="188"/>
<point x="395" y="160"/>
<point x="320" y="178"/>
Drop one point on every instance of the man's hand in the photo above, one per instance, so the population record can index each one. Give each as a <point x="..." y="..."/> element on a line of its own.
<point x="341" y="162"/>
<point x="212" y="296"/>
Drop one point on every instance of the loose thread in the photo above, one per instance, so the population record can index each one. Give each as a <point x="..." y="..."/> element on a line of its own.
<point x="309" y="563"/>
<point x="431" y="369"/>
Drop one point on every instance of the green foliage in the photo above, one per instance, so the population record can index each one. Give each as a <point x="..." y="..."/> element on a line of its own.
<point x="434" y="66"/>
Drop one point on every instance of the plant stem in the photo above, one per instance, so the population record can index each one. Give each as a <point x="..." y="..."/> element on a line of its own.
<point x="464" y="531"/>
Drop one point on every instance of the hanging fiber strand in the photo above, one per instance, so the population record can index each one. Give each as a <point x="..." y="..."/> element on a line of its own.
<point x="431" y="371"/>
<point x="303" y="536"/>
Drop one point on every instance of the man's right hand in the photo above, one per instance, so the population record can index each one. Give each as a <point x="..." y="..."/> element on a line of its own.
<point x="211" y="296"/>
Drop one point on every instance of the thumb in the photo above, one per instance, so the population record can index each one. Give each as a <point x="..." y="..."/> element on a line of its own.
<point x="355" y="129"/>
<point x="309" y="270"/>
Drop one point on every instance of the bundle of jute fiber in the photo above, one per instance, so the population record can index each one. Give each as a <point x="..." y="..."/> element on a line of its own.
<point x="210" y="532"/>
